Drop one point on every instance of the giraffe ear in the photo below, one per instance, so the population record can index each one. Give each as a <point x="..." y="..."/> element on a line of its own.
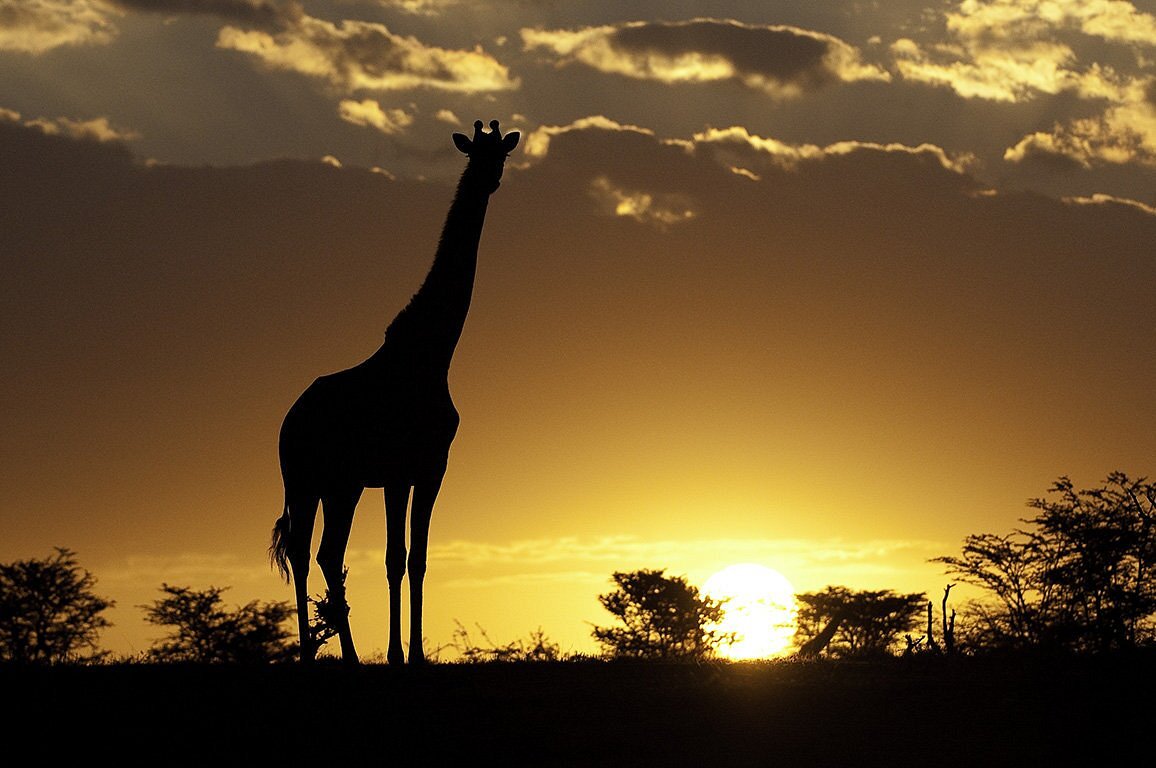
<point x="510" y="140"/>
<point x="463" y="143"/>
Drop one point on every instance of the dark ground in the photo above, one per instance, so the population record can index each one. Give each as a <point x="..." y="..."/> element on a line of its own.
<point x="923" y="712"/>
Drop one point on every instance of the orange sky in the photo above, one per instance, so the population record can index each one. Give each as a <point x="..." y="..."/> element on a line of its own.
<point x="830" y="312"/>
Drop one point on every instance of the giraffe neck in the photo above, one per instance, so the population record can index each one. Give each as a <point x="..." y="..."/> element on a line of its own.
<point x="429" y="327"/>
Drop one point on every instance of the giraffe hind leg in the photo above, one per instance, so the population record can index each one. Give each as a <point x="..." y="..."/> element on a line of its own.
<point x="338" y="510"/>
<point x="302" y="510"/>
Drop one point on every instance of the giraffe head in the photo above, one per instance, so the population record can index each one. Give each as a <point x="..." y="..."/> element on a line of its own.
<point x="487" y="153"/>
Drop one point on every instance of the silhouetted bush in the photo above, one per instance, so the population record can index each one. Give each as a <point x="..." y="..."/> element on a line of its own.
<point x="665" y="617"/>
<point x="205" y="632"/>
<point x="871" y="623"/>
<point x="1079" y="579"/>
<point x="48" y="613"/>
<point x="537" y="647"/>
<point x="326" y="616"/>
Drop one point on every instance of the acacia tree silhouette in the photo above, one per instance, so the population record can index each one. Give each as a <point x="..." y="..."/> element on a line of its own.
<point x="663" y="617"/>
<point x="48" y="611"/>
<point x="387" y="423"/>
<point x="1078" y="578"/>
<point x="202" y="630"/>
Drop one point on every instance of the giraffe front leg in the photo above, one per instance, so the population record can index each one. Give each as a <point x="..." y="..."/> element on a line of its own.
<point x="424" y="496"/>
<point x="308" y="649"/>
<point x="396" y="502"/>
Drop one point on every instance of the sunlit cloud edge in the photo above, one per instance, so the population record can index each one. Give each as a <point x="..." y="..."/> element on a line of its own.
<point x="595" y="47"/>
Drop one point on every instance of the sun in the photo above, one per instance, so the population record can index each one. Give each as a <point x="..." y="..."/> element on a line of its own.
<point x="759" y="610"/>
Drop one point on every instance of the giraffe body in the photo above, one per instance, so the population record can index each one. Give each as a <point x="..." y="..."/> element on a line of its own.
<point x="367" y="426"/>
<point x="386" y="423"/>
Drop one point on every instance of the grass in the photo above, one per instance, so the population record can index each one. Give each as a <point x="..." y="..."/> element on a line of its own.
<point x="967" y="712"/>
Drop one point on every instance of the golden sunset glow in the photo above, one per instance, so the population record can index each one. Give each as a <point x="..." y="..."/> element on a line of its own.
<point x="759" y="605"/>
<point x="825" y="287"/>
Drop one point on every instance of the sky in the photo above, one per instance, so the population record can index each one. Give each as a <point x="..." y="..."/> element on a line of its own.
<point x="824" y="286"/>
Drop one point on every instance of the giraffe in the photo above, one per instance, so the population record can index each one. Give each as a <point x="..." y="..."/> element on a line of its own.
<point x="386" y="423"/>
<point x="817" y="644"/>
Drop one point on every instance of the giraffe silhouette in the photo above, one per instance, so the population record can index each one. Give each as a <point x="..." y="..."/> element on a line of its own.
<point x="386" y="423"/>
<point x="817" y="644"/>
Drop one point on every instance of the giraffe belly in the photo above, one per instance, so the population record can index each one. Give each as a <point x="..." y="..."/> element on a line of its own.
<point x="407" y="450"/>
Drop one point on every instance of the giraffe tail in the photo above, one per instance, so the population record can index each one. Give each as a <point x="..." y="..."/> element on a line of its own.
<point x="279" y="546"/>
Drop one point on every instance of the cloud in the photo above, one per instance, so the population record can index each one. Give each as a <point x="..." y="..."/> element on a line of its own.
<point x="1005" y="51"/>
<point x="196" y="569"/>
<point x="547" y="579"/>
<point x="264" y="13"/>
<point x="656" y="209"/>
<point x="421" y="7"/>
<point x="361" y="55"/>
<point x="537" y="142"/>
<point x="570" y="550"/>
<point x="1101" y="199"/>
<point x="1014" y="52"/>
<point x="642" y="185"/>
<point x="37" y="26"/>
<point x="1123" y="134"/>
<point x="97" y="129"/>
<point x="1000" y="72"/>
<point x="569" y="560"/>
<point x="1113" y="20"/>
<point x="791" y="155"/>
<point x="369" y="113"/>
<point x="778" y="60"/>
<point x="438" y="7"/>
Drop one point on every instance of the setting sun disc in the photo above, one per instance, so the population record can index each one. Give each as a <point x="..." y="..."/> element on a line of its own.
<point x="759" y="610"/>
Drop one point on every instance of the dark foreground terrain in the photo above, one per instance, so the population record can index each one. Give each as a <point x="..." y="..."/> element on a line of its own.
<point x="917" y="712"/>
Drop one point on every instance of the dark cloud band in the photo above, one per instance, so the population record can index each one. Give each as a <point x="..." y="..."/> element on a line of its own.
<point x="264" y="13"/>
<point x="780" y="60"/>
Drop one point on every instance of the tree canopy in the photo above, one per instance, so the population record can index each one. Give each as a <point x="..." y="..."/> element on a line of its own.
<point x="48" y="611"/>
<point x="866" y="622"/>
<point x="206" y="632"/>
<point x="663" y="617"/>
<point x="1077" y="578"/>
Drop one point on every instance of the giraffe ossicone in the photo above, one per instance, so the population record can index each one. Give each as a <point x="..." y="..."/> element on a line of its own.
<point x="387" y="423"/>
